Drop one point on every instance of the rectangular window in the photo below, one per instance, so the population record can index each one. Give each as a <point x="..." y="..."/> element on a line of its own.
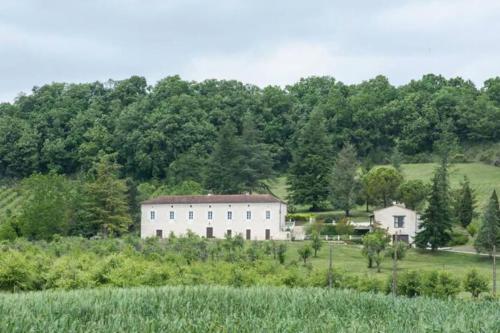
<point x="229" y="232"/>
<point x="249" y="234"/>
<point x="190" y="214"/>
<point x="229" y="215"/>
<point x="159" y="233"/>
<point x="210" y="215"/>
<point x="399" y="221"/>
<point x="249" y="215"/>
<point x="152" y="215"/>
<point x="172" y="215"/>
<point x="268" y="214"/>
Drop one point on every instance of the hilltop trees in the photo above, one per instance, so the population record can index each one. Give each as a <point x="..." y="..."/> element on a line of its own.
<point x="310" y="169"/>
<point x="344" y="181"/>
<point x="436" y="225"/>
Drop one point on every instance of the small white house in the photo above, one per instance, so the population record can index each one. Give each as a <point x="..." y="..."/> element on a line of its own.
<point x="398" y="221"/>
<point x="255" y="217"/>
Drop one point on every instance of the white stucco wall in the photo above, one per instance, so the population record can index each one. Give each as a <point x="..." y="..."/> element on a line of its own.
<point x="220" y="224"/>
<point x="385" y="217"/>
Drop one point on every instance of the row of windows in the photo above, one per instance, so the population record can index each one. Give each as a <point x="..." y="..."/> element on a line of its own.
<point x="210" y="233"/>
<point x="210" y="215"/>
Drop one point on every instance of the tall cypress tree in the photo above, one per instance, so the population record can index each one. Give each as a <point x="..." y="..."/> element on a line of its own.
<point x="309" y="175"/>
<point x="465" y="204"/>
<point x="436" y="225"/>
<point x="489" y="232"/>
<point x="344" y="181"/>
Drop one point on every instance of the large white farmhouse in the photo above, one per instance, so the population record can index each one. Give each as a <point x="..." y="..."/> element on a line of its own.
<point x="255" y="217"/>
<point x="398" y="221"/>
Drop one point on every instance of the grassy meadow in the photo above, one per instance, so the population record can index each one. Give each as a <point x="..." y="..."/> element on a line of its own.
<point x="483" y="179"/>
<point x="227" y="309"/>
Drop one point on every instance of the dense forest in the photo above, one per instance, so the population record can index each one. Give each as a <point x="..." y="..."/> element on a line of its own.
<point x="179" y="130"/>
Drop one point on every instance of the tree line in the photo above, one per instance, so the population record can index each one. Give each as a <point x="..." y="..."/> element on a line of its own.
<point x="229" y="136"/>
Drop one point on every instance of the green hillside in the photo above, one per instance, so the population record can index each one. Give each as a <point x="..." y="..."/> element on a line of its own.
<point x="226" y="309"/>
<point x="483" y="178"/>
<point x="10" y="199"/>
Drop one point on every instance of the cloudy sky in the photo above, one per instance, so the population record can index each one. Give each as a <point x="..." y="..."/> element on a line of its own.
<point x="255" y="41"/>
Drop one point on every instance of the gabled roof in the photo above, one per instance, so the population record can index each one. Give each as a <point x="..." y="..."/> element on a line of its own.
<point x="394" y="206"/>
<point x="212" y="199"/>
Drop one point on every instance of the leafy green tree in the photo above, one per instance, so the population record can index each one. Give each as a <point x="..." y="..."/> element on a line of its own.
<point x="489" y="232"/>
<point x="465" y="204"/>
<point x="281" y="252"/>
<point x="309" y="172"/>
<point x="475" y="283"/>
<point x="7" y="231"/>
<point x="45" y="210"/>
<point x="437" y="224"/>
<point x="413" y="193"/>
<point x="382" y="184"/>
<point x="344" y="181"/>
<point x="104" y="208"/>
<point x="223" y="169"/>
<point x="316" y="243"/>
<point x="398" y="250"/>
<point x="344" y="227"/>
<point x="374" y="245"/>
<point x="396" y="159"/>
<point x="304" y="252"/>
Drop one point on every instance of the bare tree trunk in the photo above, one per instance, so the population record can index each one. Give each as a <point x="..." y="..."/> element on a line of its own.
<point x="494" y="270"/>
<point x="395" y="266"/>
<point x="330" y="271"/>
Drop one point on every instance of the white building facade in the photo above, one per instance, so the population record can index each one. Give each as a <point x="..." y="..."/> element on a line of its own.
<point x="398" y="221"/>
<point x="255" y="217"/>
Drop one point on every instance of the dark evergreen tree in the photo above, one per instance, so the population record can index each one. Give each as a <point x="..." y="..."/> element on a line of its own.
<point x="344" y="180"/>
<point x="104" y="208"/>
<point x="224" y="164"/>
<point x="489" y="232"/>
<point x="465" y="203"/>
<point x="436" y="225"/>
<point x="309" y="175"/>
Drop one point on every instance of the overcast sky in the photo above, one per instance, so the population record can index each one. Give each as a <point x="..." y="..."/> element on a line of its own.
<point x="255" y="41"/>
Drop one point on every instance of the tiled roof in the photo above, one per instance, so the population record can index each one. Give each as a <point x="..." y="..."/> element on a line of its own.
<point x="212" y="198"/>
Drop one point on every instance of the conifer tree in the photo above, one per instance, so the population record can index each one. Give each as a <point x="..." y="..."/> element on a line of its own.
<point x="489" y="232"/>
<point x="344" y="181"/>
<point x="308" y="180"/>
<point x="224" y="165"/>
<point x="465" y="204"/>
<point x="436" y="225"/>
<point x="104" y="207"/>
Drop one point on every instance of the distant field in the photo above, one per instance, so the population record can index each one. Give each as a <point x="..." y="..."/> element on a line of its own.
<point x="9" y="200"/>
<point x="483" y="178"/>
<point x="226" y="309"/>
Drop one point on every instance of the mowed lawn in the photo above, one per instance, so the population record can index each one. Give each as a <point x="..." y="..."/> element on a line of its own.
<point x="349" y="259"/>
<point x="483" y="178"/>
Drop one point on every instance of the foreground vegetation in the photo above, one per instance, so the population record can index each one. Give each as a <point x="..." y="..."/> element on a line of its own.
<point x="74" y="263"/>
<point x="226" y="309"/>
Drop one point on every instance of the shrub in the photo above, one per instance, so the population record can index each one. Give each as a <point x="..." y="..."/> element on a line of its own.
<point x="440" y="284"/>
<point x="409" y="284"/>
<point x="475" y="283"/>
<point x="17" y="272"/>
<point x="400" y="249"/>
<point x="7" y="231"/>
<point x="458" y="237"/>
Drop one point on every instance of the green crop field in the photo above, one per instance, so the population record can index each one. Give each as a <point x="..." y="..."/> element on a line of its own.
<point x="226" y="309"/>
<point x="9" y="200"/>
